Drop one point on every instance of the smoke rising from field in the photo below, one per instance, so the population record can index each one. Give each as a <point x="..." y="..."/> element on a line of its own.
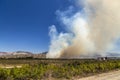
<point x="91" y="30"/>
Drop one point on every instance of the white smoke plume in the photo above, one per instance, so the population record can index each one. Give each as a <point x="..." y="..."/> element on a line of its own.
<point x="90" y="31"/>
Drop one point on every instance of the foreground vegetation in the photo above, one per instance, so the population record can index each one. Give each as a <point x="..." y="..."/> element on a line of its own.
<point x="56" y="69"/>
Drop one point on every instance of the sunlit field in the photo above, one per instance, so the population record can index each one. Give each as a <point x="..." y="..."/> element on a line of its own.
<point x="43" y="69"/>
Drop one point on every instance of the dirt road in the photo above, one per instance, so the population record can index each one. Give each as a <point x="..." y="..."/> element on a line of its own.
<point x="10" y="66"/>
<point x="113" y="75"/>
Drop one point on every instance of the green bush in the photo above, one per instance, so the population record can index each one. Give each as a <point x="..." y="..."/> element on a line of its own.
<point x="58" y="70"/>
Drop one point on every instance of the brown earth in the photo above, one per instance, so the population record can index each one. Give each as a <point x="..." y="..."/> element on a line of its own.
<point x="113" y="75"/>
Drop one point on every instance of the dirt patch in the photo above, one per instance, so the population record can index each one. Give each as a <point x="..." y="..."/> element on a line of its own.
<point x="113" y="75"/>
<point x="10" y="66"/>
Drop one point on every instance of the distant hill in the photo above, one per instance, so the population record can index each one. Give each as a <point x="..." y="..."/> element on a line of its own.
<point x="5" y="53"/>
<point x="22" y="54"/>
<point x="25" y="54"/>
<point x="113" y="54"/>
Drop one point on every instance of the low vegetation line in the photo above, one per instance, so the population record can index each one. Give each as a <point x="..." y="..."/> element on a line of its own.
<point x="43" y="70"/>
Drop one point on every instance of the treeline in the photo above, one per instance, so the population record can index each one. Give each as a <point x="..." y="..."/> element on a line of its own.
<point x="70" y="70"/>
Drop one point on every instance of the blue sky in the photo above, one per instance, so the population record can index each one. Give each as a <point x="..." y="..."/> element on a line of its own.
<point x="24" y="23"/>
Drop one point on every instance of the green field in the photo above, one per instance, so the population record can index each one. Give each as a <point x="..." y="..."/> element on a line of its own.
<point x="44" y="69"/>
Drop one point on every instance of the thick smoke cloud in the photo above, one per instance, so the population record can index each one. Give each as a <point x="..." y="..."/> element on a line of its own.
<point x="91" y="30"/>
